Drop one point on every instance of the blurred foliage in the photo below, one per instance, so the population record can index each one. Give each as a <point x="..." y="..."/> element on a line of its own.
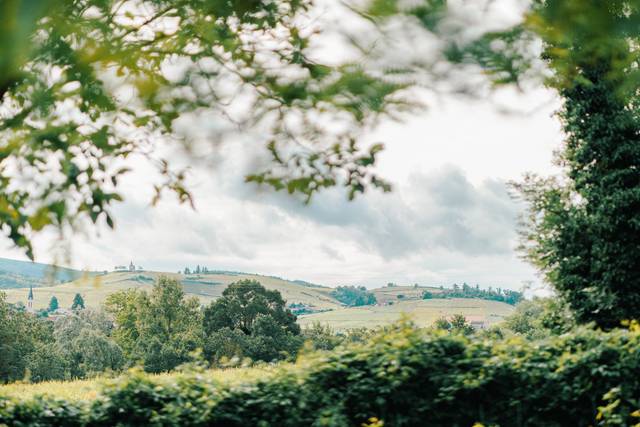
<point x="401" y="376"/>
<point x="85" y="85"/>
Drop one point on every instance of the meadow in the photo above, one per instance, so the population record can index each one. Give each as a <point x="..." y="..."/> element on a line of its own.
<point x="422" y="312"/>
<point x="89" y="389"/>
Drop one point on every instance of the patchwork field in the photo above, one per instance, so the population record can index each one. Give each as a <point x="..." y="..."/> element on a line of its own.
<point x="206" y="287"/>
<point x="423" y="312"/>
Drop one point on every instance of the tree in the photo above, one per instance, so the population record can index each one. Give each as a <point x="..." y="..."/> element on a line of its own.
<point x="250" y="321"/>
<point x="53" y="304"/>
<point x="46" y="363"/>
<point x="22" y="336"/>
<point x="582" y="231"/>
<point x="241" y="304"/>
<point x="161" y="330"/>
<point x="321" y="337"/>
<point x="84" y="341"/>
<point x="540" y="318"/>
<point x="78" y="302"/>
<point x="456" y="324"/>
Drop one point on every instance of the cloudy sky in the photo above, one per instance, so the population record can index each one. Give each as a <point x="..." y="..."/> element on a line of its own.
<point x="449" y="218"/>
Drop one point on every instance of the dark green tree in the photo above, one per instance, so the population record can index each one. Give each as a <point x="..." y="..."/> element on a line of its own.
<point x="582" y="231"/>
<point x="241" y="304"/>
<point x="78" y="302"/>
<point x="250" y="321"/>
<point x="53" y="304"/>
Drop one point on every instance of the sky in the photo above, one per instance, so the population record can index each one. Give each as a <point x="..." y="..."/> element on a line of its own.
<point x="449" y="219"/>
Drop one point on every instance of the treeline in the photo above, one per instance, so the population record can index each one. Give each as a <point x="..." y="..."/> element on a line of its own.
<point x="354" y="296"/>
<point x="159" y="331"/>
<point x="466" y="291"/>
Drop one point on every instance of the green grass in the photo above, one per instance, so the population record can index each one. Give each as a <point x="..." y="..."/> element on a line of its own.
<point x="422" y="312"/>
<point x="90" y="389"/>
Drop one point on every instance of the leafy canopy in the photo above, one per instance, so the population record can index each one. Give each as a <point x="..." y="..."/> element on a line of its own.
<point x="250" y="321"/>
<point x="160" y="330"/>
<point x="87" y="85"/>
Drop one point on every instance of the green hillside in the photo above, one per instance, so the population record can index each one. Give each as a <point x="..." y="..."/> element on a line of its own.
<point x="20" y="274"/>
<point x="393" y="302"/>
<point x="206" y="287"/>
<point x="423" y="312"/>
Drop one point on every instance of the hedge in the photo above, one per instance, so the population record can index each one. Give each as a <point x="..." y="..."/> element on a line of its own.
<point x="401" y="377"/>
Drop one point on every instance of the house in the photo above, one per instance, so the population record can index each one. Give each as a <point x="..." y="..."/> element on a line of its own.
<point x="477" y="322"/>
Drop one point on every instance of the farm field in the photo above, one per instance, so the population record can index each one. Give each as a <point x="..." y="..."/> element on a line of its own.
<point x="90" y="389"/>
<point x="391" y="293"/>
<point x="422" y="312"/>
<point x="206" y="287"/>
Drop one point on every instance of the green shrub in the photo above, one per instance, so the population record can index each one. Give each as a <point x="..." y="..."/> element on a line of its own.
<point x="402" y="376"/>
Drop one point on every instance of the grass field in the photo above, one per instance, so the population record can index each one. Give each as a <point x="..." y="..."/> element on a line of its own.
<point x="90" y="389"/>
<point x="387" y="294"/>
<point x="206" y="287"/>
<point x="422" y="312"/>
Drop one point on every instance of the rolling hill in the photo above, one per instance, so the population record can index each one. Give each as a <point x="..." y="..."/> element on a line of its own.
<point x="206" y="287"/>
<point x="21" y="274"/>
<point x="393" y="302"/>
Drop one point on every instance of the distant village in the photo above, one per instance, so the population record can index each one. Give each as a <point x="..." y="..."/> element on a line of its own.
<point x="54" y="311"/>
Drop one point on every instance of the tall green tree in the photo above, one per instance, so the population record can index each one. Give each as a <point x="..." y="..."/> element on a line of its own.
<point x="84" y="341"/>
<point x="241" y="304"/>
<point x="582" y="227"/>
<point x="251" y="321"/>
<point x="78" y="302"/>
<point x="582" y="231"/>
<point x="161" y="329"/>
<point x="53" y="304"/>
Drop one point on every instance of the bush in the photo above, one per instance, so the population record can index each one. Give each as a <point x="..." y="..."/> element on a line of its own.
<point x="404" y="377"/>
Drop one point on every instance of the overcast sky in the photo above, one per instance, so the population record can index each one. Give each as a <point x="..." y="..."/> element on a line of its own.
<point x="449" y="218"/>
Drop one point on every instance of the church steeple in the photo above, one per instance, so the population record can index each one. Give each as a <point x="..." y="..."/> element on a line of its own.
<point x="30" y="299"/>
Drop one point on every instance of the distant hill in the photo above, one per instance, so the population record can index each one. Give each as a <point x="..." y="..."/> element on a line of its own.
<point x="392" y="302"/>
<point x="206" y="287"/>
<point x="21" y="274"/>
